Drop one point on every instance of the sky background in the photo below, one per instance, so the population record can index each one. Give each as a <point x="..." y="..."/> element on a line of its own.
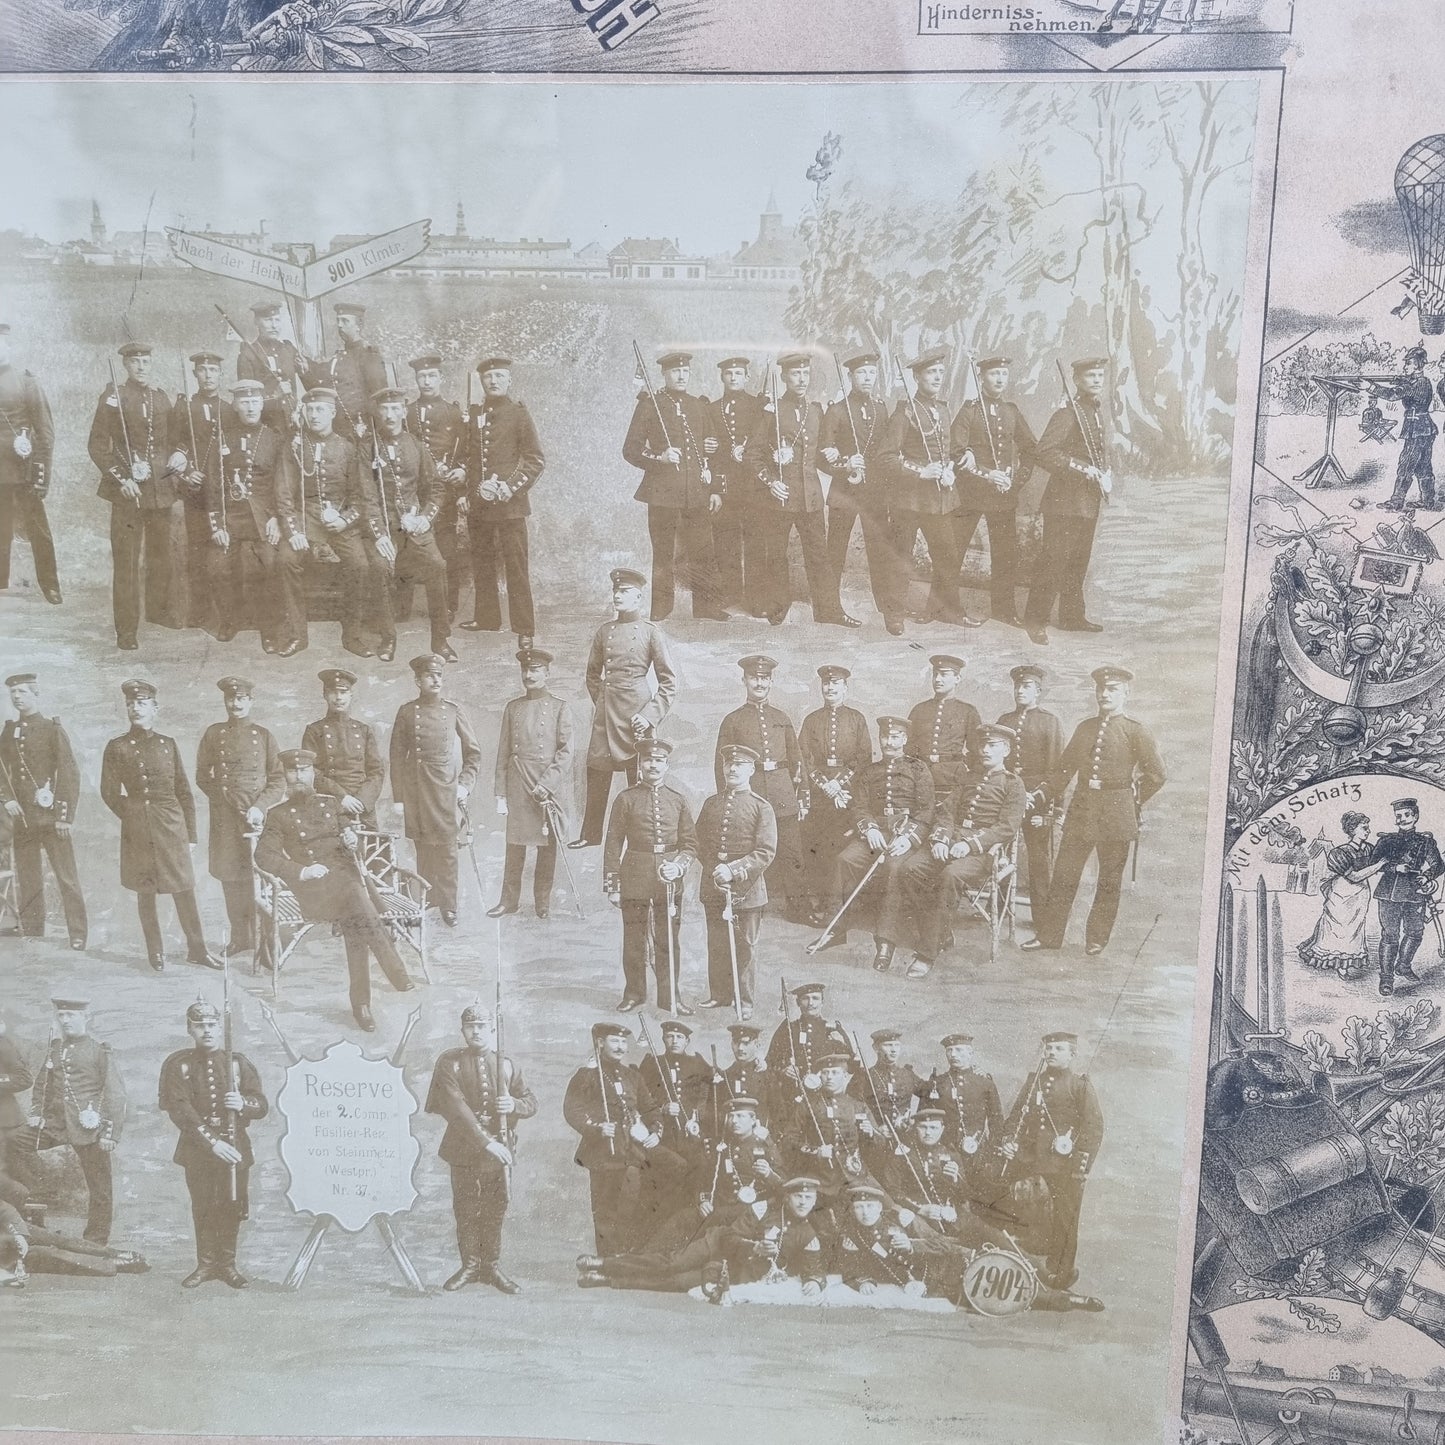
<point x="579" y="162"/>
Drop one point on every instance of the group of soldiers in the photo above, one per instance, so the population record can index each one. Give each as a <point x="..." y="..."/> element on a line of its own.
<point x="330" y="460"/>
<point x="796" y="1161"/>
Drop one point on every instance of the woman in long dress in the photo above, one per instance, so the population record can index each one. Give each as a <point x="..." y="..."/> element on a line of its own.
<point x="1338" y="941"/>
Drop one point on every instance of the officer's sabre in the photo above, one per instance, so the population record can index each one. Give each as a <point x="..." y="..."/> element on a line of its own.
<point x="472" y="854"/>
<point x="672" y="903"/>
<point x="730" y="918"/>
<point x="553" y="813"/>
<point x="228" y="1054"/>
<point x="827" y="933"/>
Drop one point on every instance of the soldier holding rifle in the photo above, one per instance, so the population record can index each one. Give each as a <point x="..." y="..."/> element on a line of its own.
<point x="199" y="422"/>
<point x="274" y="361"/>
<point x="27" y="451"/>
<point x="737" y="547"/>
<point x="1038" y="742"/>
<point x="795" y="1050"/>
<point x="355" y="373"/>
<point x="440" y="427"/>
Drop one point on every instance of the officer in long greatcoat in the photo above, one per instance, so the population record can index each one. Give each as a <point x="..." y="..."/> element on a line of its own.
<point x="434" y="763"/>
<point x="27" y="451"/>
<point x="627" y="707"/>
<point x="212" y="1112"/>
<point x="40" y="789"/>
<point x="1115" y="765"/>
<point x="143" y="782"/>
<point x="1038" y="744"/>
<point x="349" y="765"/>
<point x="534" y="768"/>
<point x="238" y="768"/>
<point x="481" y="1098"/>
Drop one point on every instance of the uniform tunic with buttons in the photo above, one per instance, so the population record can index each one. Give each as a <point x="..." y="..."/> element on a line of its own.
<point x="648" y="825"/>
<point x="400" y="478"/>
<point x="939" y="730"/>
<point x="276" y="364"/>
<point x="534" y="750"/>
<point x="307" y="829"/>
<point x="917" y="436"/>
<point x="686" y="423"/>
<point x="736" y="416"/>
<point x="804" y="1041"/>
<point x="143" y="782"/>
<point x="970" y="1100"/>
<point x="24" y="410"/>
<point x="313" y="472"/>
<point x="1117" y="766"/>
<point x="502" y="442"/>
<point x="623" y="652"/>
<point x="147" y="427"/>
<point x="835" y="744"/>
<point x="1066" y="448"/>
<point x="240" y="494"/>
<point x="209" y="418"/>
<point x="441" y="429"/>
<point x="857" y="426"/>
<point x="1000" y="440"/>
<point x="78" y="1075"/>
<point x="238" y="767"/>
<point x="464" y="1092"/>
<point x="752" y="1080"/>
<point x="193" y="1087"/>
<point x="894" y="795"/>
<point x="433" y="752"/>
<point x="985" y="809"/>
<point x="889" y="1087"/>
<point x="1038" y="744"/>
<point x="739" y="829"/>
<point x="770" y="734"/>
<point x="36" y="754"/>
<point x="348" y="759"/>
<point x="836" y="1121"/>
<point x="800" y="424"/>
<point x="356" y="373"/>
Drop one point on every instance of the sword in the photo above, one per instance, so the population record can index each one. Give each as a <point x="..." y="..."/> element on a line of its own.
<point x="553" y="813"/>
<point x="730" y="919"/>
<point x="827" y="933"/>
<point x="671" y="948"/>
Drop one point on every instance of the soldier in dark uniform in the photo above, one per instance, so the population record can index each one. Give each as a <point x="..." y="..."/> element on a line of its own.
<point x="1054" y="1131"/>
<point x="441" y="429"/>
<point x="742" y="1165"/>
<point x="748" y="1076"/>
<point x="784" y="457"/>
<point x="78" y="1098"/>
<point x="402" y="499"/>
<point x="27" y="451"/>
<point x="972" y="1115"/>
<point x="853" y="445"/>
<point x="736" y="414"/>
<point x="836" y="744"/>
<point x="435" y="759"/>
<point x="737" y="838"/>
<point x="40" y="790"/>
<point x="143" y="782"/>
<point x="481" y="1097"/>
<point x="993" y="456"/>
<point x="794" y="1054"/>
<point x="212" y="1112"/>
<point x="1038" y="744"/>
<point x="939" y="729"/>
<point x="138" y="459"/>
<point x="651" y="843"/>
<point x="888" y="1086"/>
<point x="308" y="843"/>
<point x="1118" y="769"/>
<point x="503" y="461"/>
<point x="984" y="811"/>
<point x="769" y="733"/>
<point x="238" y="768"/>
<point x="240" y="500"/>
<point x="1074" y="450"/>
<point x="355" y="373"/>
<point x="534" y="769"/>
<point x="626" y="706"/>
<point x="670" y="441"/>
<point x="15" y="1079"/>
<point x="1417" y="432"/>
<point x="276" y="363"/>
<point x="320" y="503"/>
<point x="892" y="810"/>
<point x="1403" y="894"/>
<point x="923" y="493"/>
<point x="673" y="1090"/>
<point x="831" y="1132"/>
<point x="199" y="421"/>
<point x="348" y="765"/>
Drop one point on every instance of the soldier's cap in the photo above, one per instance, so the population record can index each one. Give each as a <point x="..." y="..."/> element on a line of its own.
<point x="1411" y="803"/>
<point x="791" y="360"/>
<point x="19" y="679"/>
<point x="860" y="358"/>
<point x="737" y="753"/>
<point x="233" y="685"/>
<point x="388" y="393"/>
<point x="247" y="388"/>
<point x="864" y="1191"/>
<point x="134" y="348"/>
<point x="71" y="999"/>
<point x="293" y="758"/>
<point x="534" y="657"/>
<point x="1090" y="363"/>
<point x="627" y="577"/>
<point x="800" y="1182"/>
<point x="798" y="990"/>
<point x="922" y="1114"/>
<point x="757" y="664"/>
<point x="669" y="359"/>
<point x="745" y="1031"/>
<point x="653" y="748"/>
<point x="885" y="1036"/>
<point x="427" y="662"/>
<point x="475" y="1013"/>
<point x="426" y="361"/>
<point x="1104" y="675"/>
<point x="893" y="724"/>
<point x="494" y="363"/>
<point x="1415" y="354"/>
<point x="835" y="1061"/>
<point x="832" y="672"/>
<point x="609" y="1031"/>
<point x="994" y="732"/>
<point x="201" y="1012"/>
<point x="198" y="358"/>
<point x="945" y="659"/>
<point x="728" y="361"/>
<point x="1026" y="670"/>
<point x="319" y="393"/>
<point x="349" y="308"/>
<point x="993" y="363"/>
<point x="134" y="688"/>
<point x="676" y="1026"/>
<point x="1060" y="1036"/>
<point x="949" y="1040"/>
<point x="934" y="356"/>
<point x="740" y="1103"/>
<point x="265" y="308"/>
<point x="332" y="676"/>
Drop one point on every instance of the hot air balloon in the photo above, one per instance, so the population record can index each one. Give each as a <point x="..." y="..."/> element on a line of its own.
<point x="1420" y="191"/>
